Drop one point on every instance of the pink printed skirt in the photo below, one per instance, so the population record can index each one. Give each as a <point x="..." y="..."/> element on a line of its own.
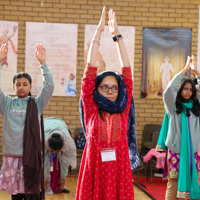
<point x="11" y="175"/>
<point x="173" y="160"/>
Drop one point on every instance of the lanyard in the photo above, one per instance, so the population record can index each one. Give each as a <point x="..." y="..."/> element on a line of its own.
<point x="52" y="156"/>
<point x="109" y="127"/>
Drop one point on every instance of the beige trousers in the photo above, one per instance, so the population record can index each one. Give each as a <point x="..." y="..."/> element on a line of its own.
<point x="172" y="186"/>
<point x="171" y="191"/>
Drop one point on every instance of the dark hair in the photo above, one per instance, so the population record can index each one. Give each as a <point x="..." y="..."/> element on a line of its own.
<point x="99" y="79"/>
<point x="56" y="141"/>
<point x="101" y="76"/>
<point x="195" y="81"/>
<point x="21" y="75"/>
<point x="196" y="106"/>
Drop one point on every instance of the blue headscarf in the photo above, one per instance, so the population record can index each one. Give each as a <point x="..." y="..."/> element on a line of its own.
<point x="117" y="106"/>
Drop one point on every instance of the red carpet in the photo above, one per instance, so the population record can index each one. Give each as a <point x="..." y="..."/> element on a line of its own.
<point x="156" y="190"/>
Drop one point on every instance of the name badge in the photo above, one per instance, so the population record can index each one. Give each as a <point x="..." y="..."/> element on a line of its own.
<point x="108" y="155"/>
<point x="51" y="167"/>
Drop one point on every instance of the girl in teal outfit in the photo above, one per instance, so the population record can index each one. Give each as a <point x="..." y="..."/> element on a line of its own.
<point x="180" y="135"/>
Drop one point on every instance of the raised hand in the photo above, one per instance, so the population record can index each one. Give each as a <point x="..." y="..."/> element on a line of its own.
<point x="112" y="23"/>
<point x="40" y="54"/>
<point x="193" y="65"/>
<point x="114" y="30"/>
<point x="101" y="25"/>
<point x="187" y="65"/>
<point x="93" y="52"/>
<point x="3" y="51"/>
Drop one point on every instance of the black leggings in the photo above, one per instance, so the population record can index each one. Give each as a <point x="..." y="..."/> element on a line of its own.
<point x="18" y="197"/>
<point x="21" y="197"/>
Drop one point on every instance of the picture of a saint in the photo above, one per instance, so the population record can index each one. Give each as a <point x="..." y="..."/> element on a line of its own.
<point x="166" y="68"/>
<point x="6" y="39"/>
<point x="164" y="54"/>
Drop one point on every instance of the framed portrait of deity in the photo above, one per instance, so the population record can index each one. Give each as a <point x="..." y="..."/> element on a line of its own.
<point x="164" y="54"/>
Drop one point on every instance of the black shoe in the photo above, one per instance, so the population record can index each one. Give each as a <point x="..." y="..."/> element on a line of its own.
<point x="58" y="191"/>
<point x="65" y="191"/>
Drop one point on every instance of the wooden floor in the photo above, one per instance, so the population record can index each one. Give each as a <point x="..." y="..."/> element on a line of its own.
<point x="71" y="182"/>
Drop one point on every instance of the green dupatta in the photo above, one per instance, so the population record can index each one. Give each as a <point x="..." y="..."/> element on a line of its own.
<point x="187" y="176"/>
<point x="163" y="134"/>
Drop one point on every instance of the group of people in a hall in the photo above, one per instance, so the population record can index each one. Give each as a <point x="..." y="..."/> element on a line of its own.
<point x="37" y="153"/>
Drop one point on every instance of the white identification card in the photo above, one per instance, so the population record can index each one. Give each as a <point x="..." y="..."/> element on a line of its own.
<point x="51" y="168"/>
<point x="108" y="155"/>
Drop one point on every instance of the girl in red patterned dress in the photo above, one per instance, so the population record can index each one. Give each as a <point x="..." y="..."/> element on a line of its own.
<point x="105" y="172"/>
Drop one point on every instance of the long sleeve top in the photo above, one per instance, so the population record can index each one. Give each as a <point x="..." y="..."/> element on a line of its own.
<point x="173" y="140"/>
<point x="14" y="113"/>
<point x="67" y="155"/>
<point x="97" y="179"/>
<point x="87" y="92"/>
